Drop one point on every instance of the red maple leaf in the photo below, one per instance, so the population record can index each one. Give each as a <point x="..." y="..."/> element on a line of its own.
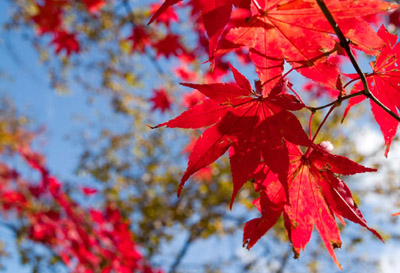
<point x="160" y="100"/>
<point x="140" y="38"/>
<point x="49" y="16"/>
<point x="316" y="196"/>
<point x="94" y="5"/>
<point x="184" y="73"/>
<point x="252" y="126"/>
<point x="169" y="45"/>
<point x="215" y="15"/>
<point x="66" y="41"/>
<point x="384" y="84"/>
<point x="277" y="30"/>
<point x="204" y="174"/>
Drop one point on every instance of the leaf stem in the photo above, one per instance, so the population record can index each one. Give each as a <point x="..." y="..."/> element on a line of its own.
<point x="309" y="125"/>
<point x="323" y="122"/>
<point x="353" y="80"/>
<point x="297" y="95"/>
<point x="307" y="153"/>
<point x="345" y="44"/>
<point x="287" y="73"/>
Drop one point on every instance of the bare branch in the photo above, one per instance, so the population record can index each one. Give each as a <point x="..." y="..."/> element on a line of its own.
<point x="337" y="102"/>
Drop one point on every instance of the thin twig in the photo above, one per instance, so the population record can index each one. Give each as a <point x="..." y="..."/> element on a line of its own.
<point x="310" y="124"/>
<point x="347" y="84"/>
<point x="181" y="254"/>
<point x="337" y="102"/>
<point x="345" y="44"/>
<point x="287" y="73"/>
<point x="307" y="153"/>
<point x="297" y="95"/>
<point x="323" y="121"/>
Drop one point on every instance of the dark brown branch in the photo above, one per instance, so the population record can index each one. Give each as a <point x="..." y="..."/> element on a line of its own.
<point x="337" y="102"/>
<point x="345" y="44"/>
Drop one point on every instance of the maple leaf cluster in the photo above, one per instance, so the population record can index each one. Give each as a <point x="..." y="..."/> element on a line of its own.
<point x="296" y="178"/>
<point x="86" y="240"/>
<point x="165" y="43"/>
<point x="49" y="20"/>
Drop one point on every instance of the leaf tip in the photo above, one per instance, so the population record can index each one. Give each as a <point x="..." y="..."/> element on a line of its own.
<point x="188" y="84"/>
<point x="296" y="254"/>
<point x="231" y="204"/>
<point x="387" y="149"/>
<point x="157" y="126"/>
<point x="179" y="191"/>
<point x="373" y="231"/>
<point x="180" y="187"/>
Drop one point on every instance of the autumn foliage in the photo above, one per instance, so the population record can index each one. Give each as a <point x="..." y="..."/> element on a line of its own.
<point x="257" y="126"/>
<point x="84" y="239"/>
<point x="296" y="179"/>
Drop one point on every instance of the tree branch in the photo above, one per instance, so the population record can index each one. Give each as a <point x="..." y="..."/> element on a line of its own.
<point x="345" y="44"/>
<point x="181" y="254"/>
<point x="337" y="102"/>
